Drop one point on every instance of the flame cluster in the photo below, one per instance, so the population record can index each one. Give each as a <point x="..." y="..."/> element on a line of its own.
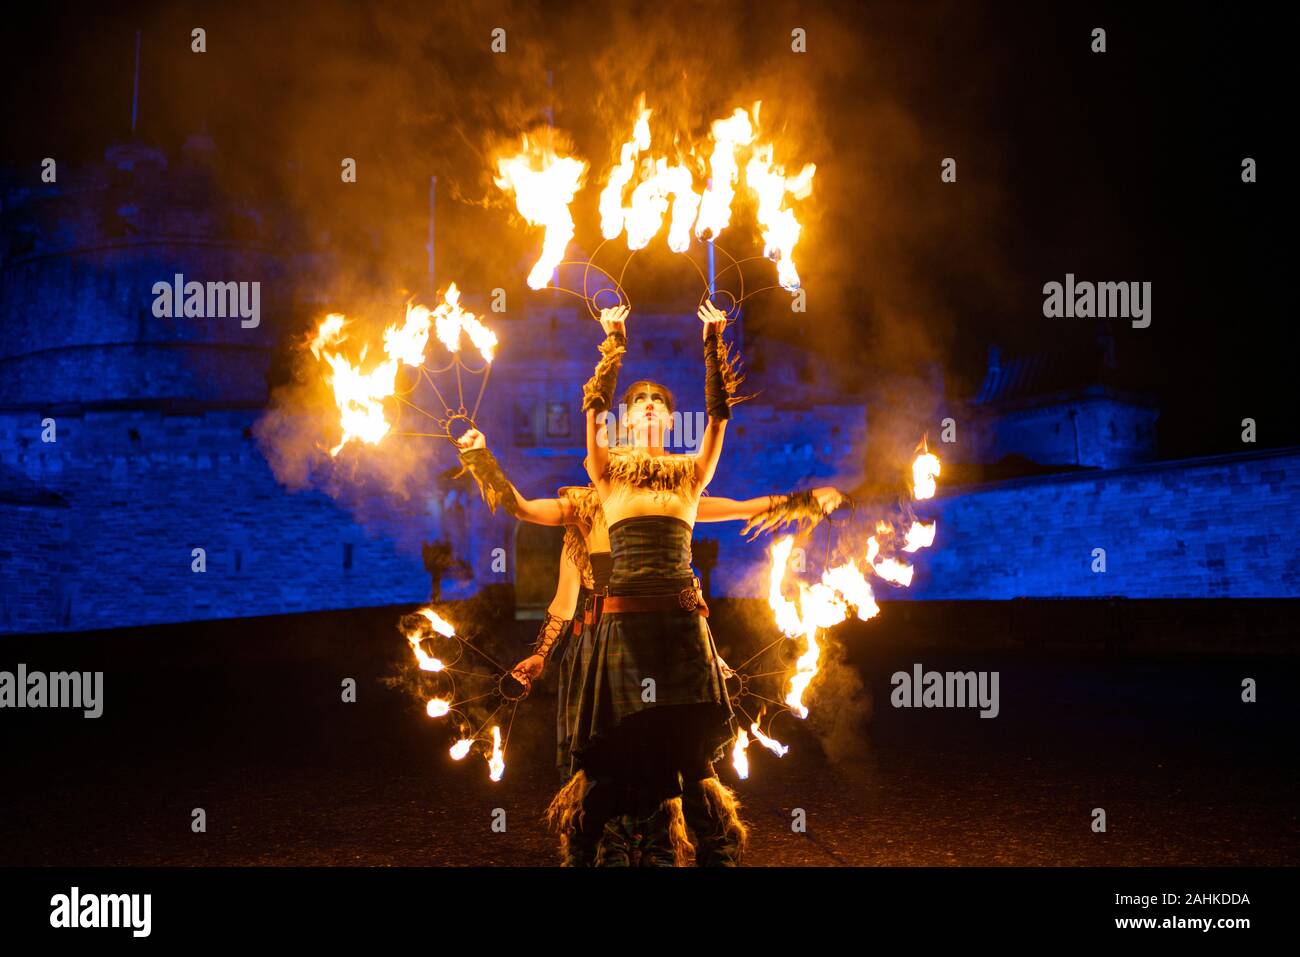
<point x="644" y="186"/>
<point x="360" y="388"/>
<point x="441" y="707"/>
<point x="843" y="589"/>
<point x="544" y="184"/>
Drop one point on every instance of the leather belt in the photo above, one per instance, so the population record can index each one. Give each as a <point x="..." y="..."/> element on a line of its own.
<point x="687" y="599"/>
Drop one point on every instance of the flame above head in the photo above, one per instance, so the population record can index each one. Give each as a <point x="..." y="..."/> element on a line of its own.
<point x="924" y="472"/>
<point x="544" y="184"/>
<point x="729" y="134"/>
<point x="437" y="707"/>
<point x="740" y="760"/>
<point x="460" y="749"/>
<point x="451" y="319"/>
<point x="645" y="216"/>
<point x="497" y="762"/>
<point x="612" y="213"/>
<point x="780" y="227"/>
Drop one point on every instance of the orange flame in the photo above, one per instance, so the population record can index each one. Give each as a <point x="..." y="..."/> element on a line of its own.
<point x="780" y="227"/>
<point x="739" y="760"/>
<point x="460" y="749"/>
<point x="437" y="707"/>
<point x="440" y="624"/>
<point x="924" y="472"/>
<point x="497" y="762"/>
<point x="729" y="134"/>
<point x="612" y="213"/>
<point x="544" y="184"/>
<point x="920" y="536"/>
<point x="450" y="320"/>
<point x="360" y="393"/>
<point x="773" y="745"/>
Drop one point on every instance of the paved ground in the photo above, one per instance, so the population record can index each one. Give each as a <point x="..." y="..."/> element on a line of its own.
<point x="373" y="787"/>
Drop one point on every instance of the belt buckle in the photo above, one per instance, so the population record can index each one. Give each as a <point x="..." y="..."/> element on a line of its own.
<point x="688" y="598"/>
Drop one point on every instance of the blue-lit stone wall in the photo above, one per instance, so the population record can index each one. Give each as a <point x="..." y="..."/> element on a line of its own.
<point x="1222" y="527"/>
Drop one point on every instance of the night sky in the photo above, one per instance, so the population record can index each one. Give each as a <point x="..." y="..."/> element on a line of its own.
<point x="1122" y="166"/>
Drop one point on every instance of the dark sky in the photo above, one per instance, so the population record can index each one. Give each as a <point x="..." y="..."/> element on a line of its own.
<point x="1115" y="166"/>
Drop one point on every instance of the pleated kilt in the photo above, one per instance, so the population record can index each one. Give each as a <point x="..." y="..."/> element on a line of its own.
<point x="651" y="694"/>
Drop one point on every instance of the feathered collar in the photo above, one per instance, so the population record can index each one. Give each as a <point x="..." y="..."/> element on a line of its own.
<point x="659" y="473"/>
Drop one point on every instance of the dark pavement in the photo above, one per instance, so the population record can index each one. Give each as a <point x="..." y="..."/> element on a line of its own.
<point x="288" y="774"/>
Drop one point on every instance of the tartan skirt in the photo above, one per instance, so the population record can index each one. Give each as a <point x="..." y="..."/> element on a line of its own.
<point x="650" y="696"/>
<point x="572" y="666"/>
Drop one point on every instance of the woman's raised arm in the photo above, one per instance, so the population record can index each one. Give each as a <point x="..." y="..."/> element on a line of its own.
<point x="598" y="394"/>
<point x="718" y="386"/>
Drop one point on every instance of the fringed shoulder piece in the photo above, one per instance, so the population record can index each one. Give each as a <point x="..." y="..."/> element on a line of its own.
<point x="659" y="473"/>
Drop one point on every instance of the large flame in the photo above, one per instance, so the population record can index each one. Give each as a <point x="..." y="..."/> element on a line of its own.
<point x="826" y="603"/>
<point x="780" y="227"/>
<point x="729" y="134"/>
<point x="920" y="535"/>
<point x="451" y="319"/>
<point x="544" y="184"/>
<point x="612" y="213"/>
<point x="657" y="184"/>
<point x="359" y="392"/>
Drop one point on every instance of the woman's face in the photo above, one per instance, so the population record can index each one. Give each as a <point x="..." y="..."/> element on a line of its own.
<point x="648" y="414"/>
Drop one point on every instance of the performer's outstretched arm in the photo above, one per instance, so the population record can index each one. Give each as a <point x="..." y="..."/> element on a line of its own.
<point x="718" y="386"/>
<point x="715" y="509"/>
<point x="598" y="394"/>
<point x="497" y="489"/>
<point x="562" y="609"/>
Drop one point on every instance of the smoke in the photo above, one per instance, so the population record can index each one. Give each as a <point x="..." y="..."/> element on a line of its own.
<point x="382" y="485"/>
<point x="839" y="706"/>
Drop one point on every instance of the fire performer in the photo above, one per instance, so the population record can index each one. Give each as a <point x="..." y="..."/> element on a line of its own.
<point x="653" y="707"/>
<point x="585" y="567"/>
